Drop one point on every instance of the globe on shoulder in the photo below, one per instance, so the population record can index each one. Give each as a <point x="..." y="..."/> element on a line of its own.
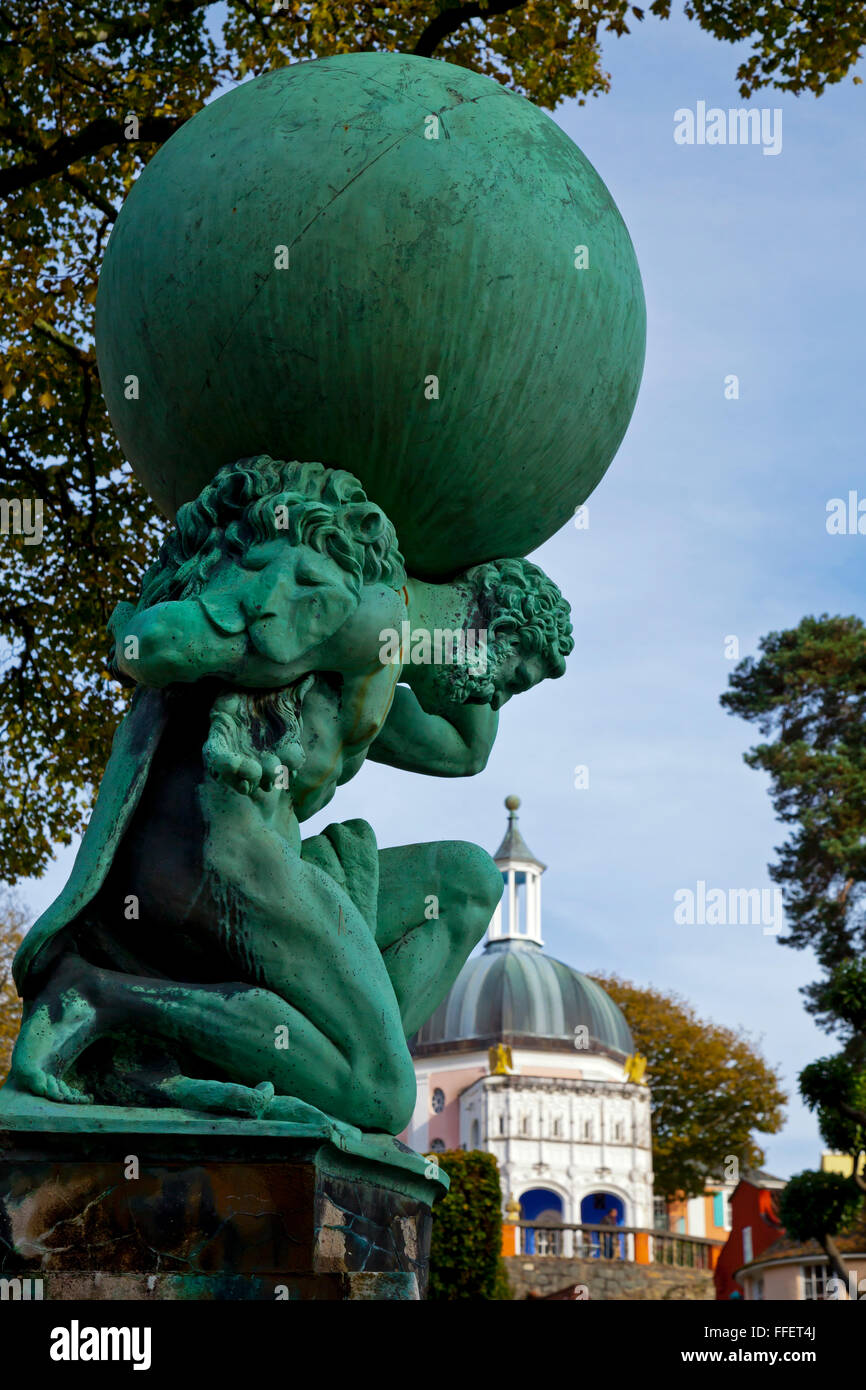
<point x="388" y="264"/>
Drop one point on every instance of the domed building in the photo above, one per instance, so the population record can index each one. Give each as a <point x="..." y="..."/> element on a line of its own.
<point x="526" y="1058"/>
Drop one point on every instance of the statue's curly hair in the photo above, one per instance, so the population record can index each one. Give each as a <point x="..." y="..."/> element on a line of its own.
<point x="517" y="601"/>
<point x="260" y="499"/>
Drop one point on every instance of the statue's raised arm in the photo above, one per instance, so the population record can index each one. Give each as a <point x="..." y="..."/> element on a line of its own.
<point x="471" y="644"/>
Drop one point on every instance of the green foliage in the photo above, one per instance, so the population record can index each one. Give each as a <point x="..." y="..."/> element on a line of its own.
<point x="843" y="994"/>
<point x="71" y="76"/>
<point x="466" y="1249"/>
<point x="803" y="47"/>
<point x="502" y="1290"/>
<point x="808" y="690"/>
<point x="710" y="1088"/>
<point x="815" y="1204"/>
<point x="835" y="1087"/>
<point x="13" y="922"/>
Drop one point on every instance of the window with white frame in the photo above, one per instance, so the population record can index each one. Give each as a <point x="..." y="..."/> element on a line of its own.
<point x="524" y="1124"/>
<point x="587" y="1129"/>
<point x="814" y="1281"/>
<point x="557" y="1128"/>
<point x="747" y="1244"/>
<point x="619" y="1131"/>
<point x="723" y="1213"/>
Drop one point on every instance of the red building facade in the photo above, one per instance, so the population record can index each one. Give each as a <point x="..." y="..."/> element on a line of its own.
<point x="755" y="1225"/>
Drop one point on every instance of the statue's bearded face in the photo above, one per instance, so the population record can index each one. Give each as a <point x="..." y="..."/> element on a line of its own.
<point x="515" y="671"/>
<point x="504" y="669"/>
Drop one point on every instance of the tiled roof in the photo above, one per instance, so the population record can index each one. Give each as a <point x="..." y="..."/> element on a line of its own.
<point x="786" y="1249"/>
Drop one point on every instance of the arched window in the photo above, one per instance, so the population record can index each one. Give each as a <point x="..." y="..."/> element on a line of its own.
<point x="475" y="1135"/>
<point x="524" y="1124"/>
<point x="501" y="1124"/>
<point x="557" y="1128"/>
<point x="587" y="1129"/>
<point x="542" y="1205"/>
<point x="619" y="1131"/>
<point x="438" y="1101"/>
<point x="438" y="1146"/>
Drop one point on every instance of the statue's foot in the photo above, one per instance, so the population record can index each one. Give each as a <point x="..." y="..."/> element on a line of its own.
<point x="299" y="1112"/>
<point x="216" y="1097"/>
<point x="40" y="1082"/>
<point x="58" y="1028"/>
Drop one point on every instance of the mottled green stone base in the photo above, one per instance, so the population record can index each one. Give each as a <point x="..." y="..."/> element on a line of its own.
<point x="98" y="1287"/>
<point x="169" y="1205"/>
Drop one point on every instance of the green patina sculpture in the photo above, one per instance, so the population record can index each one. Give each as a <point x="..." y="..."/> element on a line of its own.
<point x="203" y="955"/>
<point x="260" y="974"/>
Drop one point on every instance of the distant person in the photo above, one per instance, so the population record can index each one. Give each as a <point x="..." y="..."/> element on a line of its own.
<point x="610" y="1218"/>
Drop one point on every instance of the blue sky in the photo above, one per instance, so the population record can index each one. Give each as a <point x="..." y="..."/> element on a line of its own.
<point x="710" y="522"/>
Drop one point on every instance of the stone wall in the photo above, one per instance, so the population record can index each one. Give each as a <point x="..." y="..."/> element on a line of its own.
<point x="606" y="1279"/>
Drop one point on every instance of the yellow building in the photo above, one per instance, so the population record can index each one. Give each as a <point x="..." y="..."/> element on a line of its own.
<point x="843" y="1164"/>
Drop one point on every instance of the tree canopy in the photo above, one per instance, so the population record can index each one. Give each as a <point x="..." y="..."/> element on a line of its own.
<point x="806" y="694"/>
<point x="88" y="92"/>
<point x="711" y="1089"/>
<point x="821" y="1205"/>
<point x="13" y="921"/>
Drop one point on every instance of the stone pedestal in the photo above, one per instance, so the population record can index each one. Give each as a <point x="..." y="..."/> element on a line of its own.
<point x="156" y="1205"/>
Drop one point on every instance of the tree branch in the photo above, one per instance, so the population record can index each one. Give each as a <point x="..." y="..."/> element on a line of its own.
<point x="42" y="481"/>
<point x="97" y="135"/>
<point x="837" y="1264"/>
<point x="90" y="195"/>
<point x="448" y="21"/>
<point x="63" y="341"/>
<point x="134" y="25"/>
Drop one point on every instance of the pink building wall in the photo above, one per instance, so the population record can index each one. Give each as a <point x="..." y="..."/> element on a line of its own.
<point x="446" y="1125"/>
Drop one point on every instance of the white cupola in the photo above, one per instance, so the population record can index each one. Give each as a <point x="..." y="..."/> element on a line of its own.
<point x="518" y="915"/>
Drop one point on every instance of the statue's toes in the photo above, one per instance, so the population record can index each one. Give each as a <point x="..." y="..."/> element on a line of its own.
<point x="45" y="1083"/>
<point x="71" y="1095"/>
<point x="50" y="1086"/>
<point x="220" y="1097"/>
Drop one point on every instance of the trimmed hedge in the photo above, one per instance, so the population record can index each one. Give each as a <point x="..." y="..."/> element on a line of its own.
<point x="466" y="1248"/>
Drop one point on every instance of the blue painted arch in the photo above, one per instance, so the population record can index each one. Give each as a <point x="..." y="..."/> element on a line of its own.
<point x="536" y="1202"/>
<point x="594" y="1207"/>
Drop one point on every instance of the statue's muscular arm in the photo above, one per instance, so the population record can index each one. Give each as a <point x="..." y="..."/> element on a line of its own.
<point x="453" y="743"/>
<point x="176" y="641"/>
<point x="270" y="640"/>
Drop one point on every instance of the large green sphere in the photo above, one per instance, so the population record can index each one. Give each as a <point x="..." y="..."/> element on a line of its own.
<point x="374" y="261"/>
